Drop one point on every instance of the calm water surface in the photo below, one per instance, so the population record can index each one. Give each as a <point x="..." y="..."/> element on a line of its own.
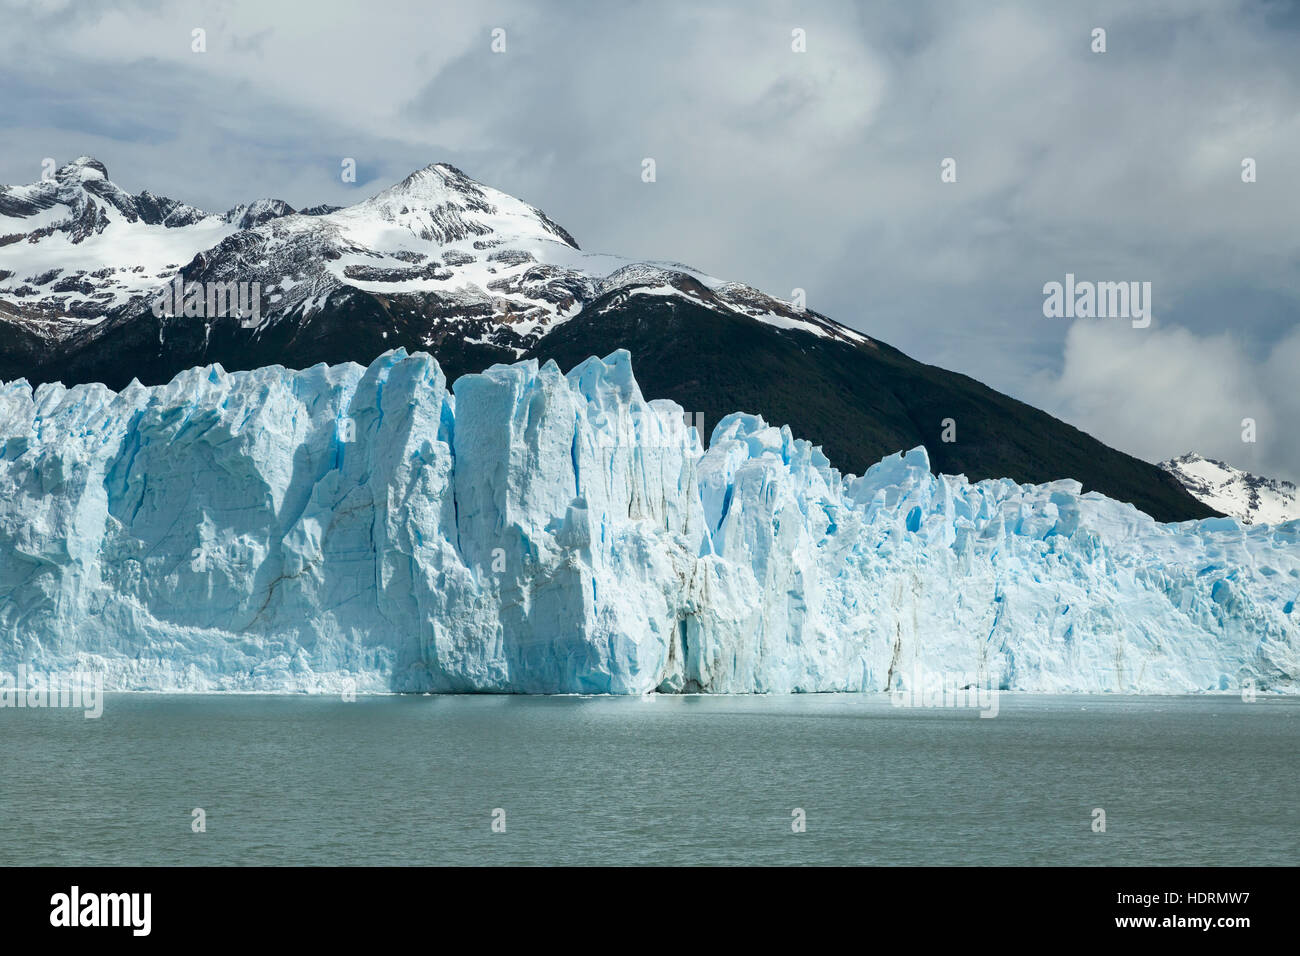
<point x="664" y="780"/>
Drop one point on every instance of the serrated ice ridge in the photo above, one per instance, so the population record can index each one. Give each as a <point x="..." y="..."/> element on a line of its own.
<point x="538" y="532"/>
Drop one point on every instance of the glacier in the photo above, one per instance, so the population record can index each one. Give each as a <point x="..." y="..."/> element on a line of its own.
<point x="343" y="528"/>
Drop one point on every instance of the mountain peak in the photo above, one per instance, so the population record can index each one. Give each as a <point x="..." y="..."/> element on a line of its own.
<point x="442" y="204"/>
<point x="1250" y="499"/>
<point x="81" y="169"/>
<point x="248" y="215"/>
<point x="434" y="184"/>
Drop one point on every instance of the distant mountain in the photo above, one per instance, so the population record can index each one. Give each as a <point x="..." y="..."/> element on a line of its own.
<point x="1238" y="494"/>
<point x="443" y="264"/>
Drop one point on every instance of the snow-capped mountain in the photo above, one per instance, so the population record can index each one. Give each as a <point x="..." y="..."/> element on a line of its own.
<point x="444" y="264"/>
<point x="538" y="532"/>
<point x="77" y="248"/>
<point x="1236" y="493"/>
<point x="470" y="259"/>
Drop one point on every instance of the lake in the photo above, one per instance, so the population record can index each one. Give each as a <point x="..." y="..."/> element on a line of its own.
<point x="657" y="780"/>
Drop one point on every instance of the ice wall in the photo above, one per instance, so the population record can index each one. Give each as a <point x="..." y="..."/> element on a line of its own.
<point x="542" y="533"/>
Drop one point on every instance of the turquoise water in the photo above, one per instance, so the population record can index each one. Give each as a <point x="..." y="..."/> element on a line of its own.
<point x="666" y="780"/>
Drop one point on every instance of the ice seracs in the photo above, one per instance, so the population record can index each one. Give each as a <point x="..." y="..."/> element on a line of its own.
<point x="536" y="532"/>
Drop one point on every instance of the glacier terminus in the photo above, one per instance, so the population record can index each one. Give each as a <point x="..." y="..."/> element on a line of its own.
<point x="542" y="532"/>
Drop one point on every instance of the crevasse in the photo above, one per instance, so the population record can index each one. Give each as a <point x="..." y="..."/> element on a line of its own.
<point x="342" y="527"/>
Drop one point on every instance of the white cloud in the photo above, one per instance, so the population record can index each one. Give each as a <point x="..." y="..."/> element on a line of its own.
<point x="1159" y="392"/>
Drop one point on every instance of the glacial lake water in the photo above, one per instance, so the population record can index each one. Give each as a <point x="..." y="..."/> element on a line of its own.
<point x="662" y="780"/>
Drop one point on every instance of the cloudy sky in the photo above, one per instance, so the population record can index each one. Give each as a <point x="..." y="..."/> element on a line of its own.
<point x="818" y="170"/>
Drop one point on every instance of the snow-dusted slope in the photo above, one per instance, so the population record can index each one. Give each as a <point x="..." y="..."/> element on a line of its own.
<point x="540" y="532"/>
<point x="1247" y="497"/>
<point x="465" y="258"/>
<point x="76" y="248"/>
